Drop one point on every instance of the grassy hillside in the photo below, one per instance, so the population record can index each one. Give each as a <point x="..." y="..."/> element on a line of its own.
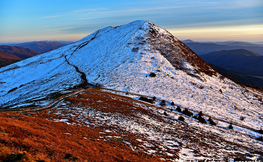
<point x="34" y="138"/>
<point x="96" y="125"/>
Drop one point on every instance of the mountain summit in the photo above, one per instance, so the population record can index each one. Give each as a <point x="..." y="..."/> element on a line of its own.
<point x="138" y="57"/>
<point x="117" y="57"/>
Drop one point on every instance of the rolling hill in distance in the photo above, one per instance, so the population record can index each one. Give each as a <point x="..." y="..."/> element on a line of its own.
<point x="133" y="87"/>
<point x="42" y="46"/>
<point x="12" y="54"/>
<point x="240" y="60"/>
<point x="201" y="48"/>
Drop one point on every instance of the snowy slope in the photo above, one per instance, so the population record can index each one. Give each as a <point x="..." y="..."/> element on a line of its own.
<point x="122" y="58"/>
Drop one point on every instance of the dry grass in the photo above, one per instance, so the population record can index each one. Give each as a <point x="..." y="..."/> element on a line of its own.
<point x="96" y="132"/>
<point x="101" y="108"/>
<point x="111" y="103"/>
<point x="36" y="139"/>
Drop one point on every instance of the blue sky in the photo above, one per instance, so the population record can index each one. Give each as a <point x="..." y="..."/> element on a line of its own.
<point x="203" y="20"/>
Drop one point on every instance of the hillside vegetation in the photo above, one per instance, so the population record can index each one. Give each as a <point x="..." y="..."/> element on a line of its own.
<point x="96" y="125"/>
<point x="37" y="137"/>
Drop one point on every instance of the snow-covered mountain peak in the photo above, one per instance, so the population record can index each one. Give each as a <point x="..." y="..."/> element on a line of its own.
<point x="138" y="57"/>
<point x="139" y="33"/>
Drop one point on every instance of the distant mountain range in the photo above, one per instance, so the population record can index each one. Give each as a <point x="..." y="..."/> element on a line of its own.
<point x="238" y="43"/>
<point x="201" y="48"/>
<point x="12" y="54"/>
<point x="42" y="46"/>
<point x="241" y="60"/>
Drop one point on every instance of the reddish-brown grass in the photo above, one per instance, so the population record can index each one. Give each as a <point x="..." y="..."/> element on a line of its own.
<point x="41" y="139"/>
<point x="110" y="103"/>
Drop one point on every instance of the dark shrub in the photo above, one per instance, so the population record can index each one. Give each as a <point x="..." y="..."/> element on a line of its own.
<point x="70" y="157"/>
<point x="230" y="126"/>
<point x="17" y="157"/>
<point x="163" y="103"/>
<point x="242" y="118"/>
<point x="260" y="138"/>
<point x="165" y="114"/>
<point x="154" y="98"/>
<point x="200" y="113"/>
<point x="152" y="74"/>
<point x="187" y="112"/>
<point x="146" y="99"/>
<point x="201" y="120"/>
<point x="98" y="85"/>
<point x="135" y="49"/>
<point x="181" y="118"/>
<point x="178" y="109"/>
<point x="211" y="121"/>
<point x="172" y="104"/>
<point x="54" y="95"/>
<point x="260" y="131"/>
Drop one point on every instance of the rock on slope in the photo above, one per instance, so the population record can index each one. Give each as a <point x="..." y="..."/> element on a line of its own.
<point x="122" y="58"/>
